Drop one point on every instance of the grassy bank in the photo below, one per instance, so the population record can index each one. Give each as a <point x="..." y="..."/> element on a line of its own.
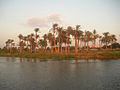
<point x="98" y="54"/>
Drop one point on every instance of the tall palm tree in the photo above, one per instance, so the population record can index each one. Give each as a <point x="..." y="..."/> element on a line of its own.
<point x="95" y="36"/>
<point x="75" y="34"/>
<point x="69" y="31"/>
<point x="88" y="37"/>
<point x="106" y="38"/>
<point x="100" y="41"/>
<point x="7" y="44"/>
<point x="10" y="43"/>
<point x="54" y="30"/>
<point x="32" y="42"/>
<point x="63" y="38"/>
<point x="27" y="40"/>
<point x="42" y="44"/>
<point x="36" y="36"/>
<point x="112" y="39"/>
<point x="50" y="38"/>
<point x="45" y="40"/>
<point x="84" y="38"/>
<point x="20" y="36"/>
<point x="59" y="30"/>
<point x="79" y="36"/>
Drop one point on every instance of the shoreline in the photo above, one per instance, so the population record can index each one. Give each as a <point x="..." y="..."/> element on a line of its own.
<point x="102" y="55"/>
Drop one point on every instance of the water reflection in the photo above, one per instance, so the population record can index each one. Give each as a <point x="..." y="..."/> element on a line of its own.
<point x="39" y="74"/>
<point x="37" y="60"/>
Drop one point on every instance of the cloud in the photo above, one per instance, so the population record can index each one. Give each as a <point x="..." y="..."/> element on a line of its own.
<point x="55" y="17"/>
<point x="44" y="21"/>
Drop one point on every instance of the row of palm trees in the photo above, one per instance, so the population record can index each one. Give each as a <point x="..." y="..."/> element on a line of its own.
<point x="60" y="39"/>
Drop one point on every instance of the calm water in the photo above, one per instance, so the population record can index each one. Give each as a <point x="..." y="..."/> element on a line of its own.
<point x="36" y="74"/>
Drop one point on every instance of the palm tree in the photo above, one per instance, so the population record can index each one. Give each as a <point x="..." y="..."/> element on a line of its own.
<point x="50" y="38"/>
<point x="59" y="30"/>
<point x="36" y="36"/>
<point x="27" y="40"/>
<point x="32" y="43"/>
<point x="100" y="41"/>
<point x="20" y="36"/>
<point x="54" y="29"/>
<point x="63" y="38"/>
<point x="79" y="36"/>
<point x="41" y="43"/>
<point x="75" y="34"/>
<point x="10" y="43"/>
<point x="95" y="36"/>
<point x="45" y="40"/>
<point x="106" y="38"/>
<point x="7" y="44"/>
<point x="69" y="31"/>
<point x="113" y="39"/>
<point x="84" y="39"/>
<point x="88" y="37"/>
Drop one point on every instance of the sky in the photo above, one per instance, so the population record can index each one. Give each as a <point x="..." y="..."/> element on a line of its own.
<point x="22" y="16"/>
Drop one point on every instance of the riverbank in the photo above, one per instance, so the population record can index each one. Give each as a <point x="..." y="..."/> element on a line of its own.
<point x="92" y="54"/>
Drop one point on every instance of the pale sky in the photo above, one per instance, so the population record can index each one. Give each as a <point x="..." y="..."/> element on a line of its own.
<point x="22" y="16"/>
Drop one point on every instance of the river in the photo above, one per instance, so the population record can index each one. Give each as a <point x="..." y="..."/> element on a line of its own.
<point x="37" y="74"/>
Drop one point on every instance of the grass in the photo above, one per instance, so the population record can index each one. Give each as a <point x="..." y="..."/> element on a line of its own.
<point x="99" y="54"/>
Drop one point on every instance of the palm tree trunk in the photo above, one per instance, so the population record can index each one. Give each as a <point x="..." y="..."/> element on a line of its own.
<point x="55" y="43"/>
<point x="94" y="43"/>
<point x="31" y="47"/>
<point x="68" y="46"/>
<point x="80" y="45"/>
<point x="51" y="47"/>
<point x="65" y="47"/>
<point x="20" y="46"/>
<point x="87" y="45"/>
<point x="35" y="41"/>
<point x="59" y="44"/>
<point x="76" y="46"/>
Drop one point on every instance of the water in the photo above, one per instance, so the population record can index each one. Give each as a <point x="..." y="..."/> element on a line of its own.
<point x="36" y="74"/>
